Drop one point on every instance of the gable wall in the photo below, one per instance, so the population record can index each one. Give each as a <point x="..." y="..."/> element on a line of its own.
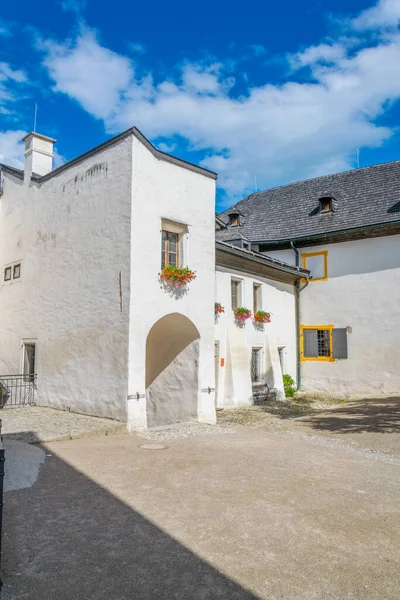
<point x="164" y="190"/>
<point x="72" y="234"/>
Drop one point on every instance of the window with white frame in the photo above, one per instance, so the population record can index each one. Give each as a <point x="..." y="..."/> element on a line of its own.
<point x="256" y="297"/>
<point x="173" y="243"/>
<point x="12" y="271"/>
<point x="236" y="293"/>
<point x="29" y="360"/>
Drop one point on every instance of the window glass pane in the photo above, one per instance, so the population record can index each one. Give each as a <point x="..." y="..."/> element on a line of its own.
<point x="255" y="365"/>
<point x="324" y="346"/>
<point x="316" y="265"/>
<point x="17" y="271"/>
<point x="29" y="360"/>
<point x="163" y="259"/>
<point x="256" y="297"/>
<point x="172" y="239"/>
<point x="235" y="294"/>
<point x="7" y="274"/>
<point x="172" y="259"/>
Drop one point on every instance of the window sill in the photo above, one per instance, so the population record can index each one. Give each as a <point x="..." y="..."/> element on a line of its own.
<point x="319" y="359"/>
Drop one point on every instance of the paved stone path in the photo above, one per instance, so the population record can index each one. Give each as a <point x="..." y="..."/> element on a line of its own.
<point x="41" y="424"/>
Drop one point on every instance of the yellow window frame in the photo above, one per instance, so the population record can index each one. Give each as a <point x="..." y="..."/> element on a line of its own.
<point x="323" y="253"/>
<point x="316" y="358"/>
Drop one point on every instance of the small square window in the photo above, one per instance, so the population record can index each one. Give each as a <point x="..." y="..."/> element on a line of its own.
<point x="17" y="271"/>
<point x="7" y="274"/>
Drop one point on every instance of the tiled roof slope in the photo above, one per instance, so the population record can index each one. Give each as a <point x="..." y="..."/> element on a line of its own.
<point x="364" y="197"/>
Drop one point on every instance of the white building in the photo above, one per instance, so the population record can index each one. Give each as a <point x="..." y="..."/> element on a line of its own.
<point x="345" y="229"/>
<point x="81" y="303"/>
<point x="84" y="313"/>
<point x="250" y="354"/>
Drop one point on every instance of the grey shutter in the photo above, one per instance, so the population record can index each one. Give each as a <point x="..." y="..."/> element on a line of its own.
<point x="339" y="343"/>
<point x="310" y="343"/>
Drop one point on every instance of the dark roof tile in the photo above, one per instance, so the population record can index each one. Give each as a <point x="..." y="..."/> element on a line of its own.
<point x="363" y="197"/>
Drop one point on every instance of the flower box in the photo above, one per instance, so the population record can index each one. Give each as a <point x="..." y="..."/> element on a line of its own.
<point x="262" y="317"/>
<point x="178" y="276"/>
<point x="219" y="308"/>
<point x="242" y="314"/>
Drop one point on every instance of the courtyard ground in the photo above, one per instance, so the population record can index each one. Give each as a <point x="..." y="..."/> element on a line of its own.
<point x="279" y="508"/>
<point x="42" y="424"/>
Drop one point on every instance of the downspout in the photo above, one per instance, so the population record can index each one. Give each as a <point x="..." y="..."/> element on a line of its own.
<point x="297" y="291"/>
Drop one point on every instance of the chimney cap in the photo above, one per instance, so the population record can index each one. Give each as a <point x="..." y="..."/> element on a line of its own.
<point x="46" y="138"/>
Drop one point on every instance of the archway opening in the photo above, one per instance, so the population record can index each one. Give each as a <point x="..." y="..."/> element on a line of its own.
<point x="172" y="370"/>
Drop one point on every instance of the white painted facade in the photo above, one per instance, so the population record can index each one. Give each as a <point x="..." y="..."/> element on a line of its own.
<point x="112" y="340"/>
<point x="88" y="240"/>
<point x="361" y="293"/>
<point x="276" y="341"/>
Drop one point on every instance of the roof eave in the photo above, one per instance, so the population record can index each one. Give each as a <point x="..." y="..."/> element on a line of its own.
<point x="262" y="265"/>
<point x="323" y="236"/>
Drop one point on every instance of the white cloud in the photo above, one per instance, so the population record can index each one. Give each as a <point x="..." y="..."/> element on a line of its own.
<point x="11" y="148"/>
<point x="277" y="132"/>
<point x="384" y="14"/>
<point x="323" y="53"/>
<point x="10" y="82"/>
<point x="6" y="72"/>
<point x="88" y="72"/>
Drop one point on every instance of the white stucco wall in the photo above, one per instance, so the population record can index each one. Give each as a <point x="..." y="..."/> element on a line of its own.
<point x="362" y="292"/>
<point x="161" y="190"/>
<point x="236" y="343"/>
<point x="72" y="234"/>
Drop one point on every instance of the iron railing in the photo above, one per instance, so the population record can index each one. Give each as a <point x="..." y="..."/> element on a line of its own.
<point x="17" y="390"/>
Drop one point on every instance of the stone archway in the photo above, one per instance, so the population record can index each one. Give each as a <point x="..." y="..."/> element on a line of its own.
<point x="172" y="370"/>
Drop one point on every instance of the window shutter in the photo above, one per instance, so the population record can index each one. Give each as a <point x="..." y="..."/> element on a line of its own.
<point x="310" y="343"/>
<point x="339" y="343"/>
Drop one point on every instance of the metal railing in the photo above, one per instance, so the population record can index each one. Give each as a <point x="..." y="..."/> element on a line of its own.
<point x="17" y="390"/>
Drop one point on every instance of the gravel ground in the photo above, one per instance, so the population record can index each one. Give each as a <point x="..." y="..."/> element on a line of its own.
<point x="42" y="424"/>
<point x="182" y="430"/>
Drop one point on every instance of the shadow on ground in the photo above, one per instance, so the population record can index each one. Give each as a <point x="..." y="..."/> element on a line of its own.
<point x="361" y="416"/>
<point x="66" y="537"/>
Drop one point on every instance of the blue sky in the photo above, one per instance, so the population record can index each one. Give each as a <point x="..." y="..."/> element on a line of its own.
<point x="264" y="93"/>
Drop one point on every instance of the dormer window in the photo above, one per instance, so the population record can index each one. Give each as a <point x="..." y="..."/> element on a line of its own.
<point x="235" y="217"/>
<point x="234" y="220"/>
<point x="326" y="204"/>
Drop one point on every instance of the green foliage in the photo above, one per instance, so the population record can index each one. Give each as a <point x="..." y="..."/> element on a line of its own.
<point x="289" y="386"/>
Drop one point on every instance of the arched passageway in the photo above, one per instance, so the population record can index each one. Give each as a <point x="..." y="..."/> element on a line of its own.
<point x="172" y="370"/>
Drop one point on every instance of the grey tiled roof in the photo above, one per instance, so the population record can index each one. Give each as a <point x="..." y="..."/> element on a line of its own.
<point x="363" y="197"/>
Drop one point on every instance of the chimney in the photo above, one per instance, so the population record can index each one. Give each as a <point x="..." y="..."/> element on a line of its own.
<point x="38" y="154"/>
